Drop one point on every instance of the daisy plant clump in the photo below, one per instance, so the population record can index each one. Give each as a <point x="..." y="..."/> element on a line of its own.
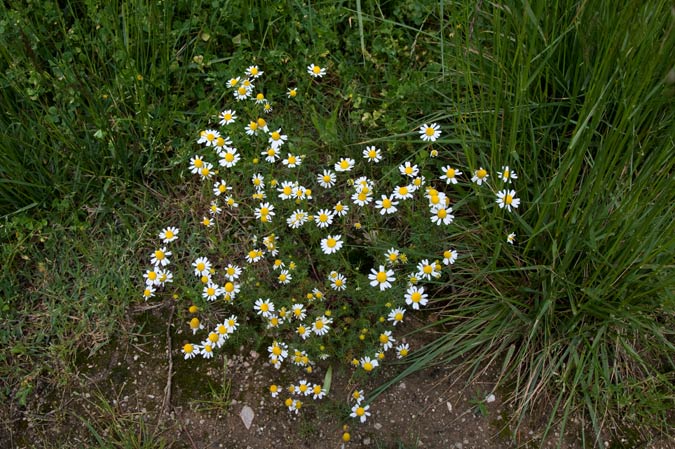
<point x="305" y="246"/>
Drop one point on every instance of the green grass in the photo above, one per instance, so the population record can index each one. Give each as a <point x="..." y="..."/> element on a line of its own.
<point x="111" y="428"/>
<point x="580" y="314"/>
<point x="101" y="104"/>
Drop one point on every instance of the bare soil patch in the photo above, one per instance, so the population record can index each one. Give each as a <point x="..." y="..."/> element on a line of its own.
<point x="121" y="391"/>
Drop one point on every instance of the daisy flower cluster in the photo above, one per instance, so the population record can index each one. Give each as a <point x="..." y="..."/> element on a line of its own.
<point x="294" y="221"/>
<point x="159" y="275"/>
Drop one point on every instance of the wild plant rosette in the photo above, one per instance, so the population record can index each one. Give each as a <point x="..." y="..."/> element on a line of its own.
<point x="318" y="250"/>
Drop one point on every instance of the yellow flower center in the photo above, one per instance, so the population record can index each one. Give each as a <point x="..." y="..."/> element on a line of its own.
<point x="264" y="211"/>
<point x="381" y="277"/>
<point x="262" y="123"/>
<point x="372" y="154"/>
<point x="194" y="323"/>
<point x="213" y="337"/>
<point x="275" y="135"/>
<point x="199" y="163"/>
<point x="205" y="171"/>
<point x="292" y="160"/>
<point x="323" y="218"/>
<point x="210" y="291"/>
<point x="260" y="97"/>
<point x="229" y="287"/>
<point x="383" y="338"/>
<point x="152" y="275"/>
<point x="398" y="316"/>
<point x="229" y="157"/>
<point x="508" y="199"/>
<point x="450" y="173"/>
<point x="331" y="242"/>
<point x="319" y="324"/>
<point x="316" y="69"/>
<point x="481" y="173"/>
<point x="367" y="367"/>
<point x="210" y="136"/>
<point x="253" y="126"/>
<point x="188" y="348"/>
<point x="159" y="254"/>
<point x="227" y="117"/>
<point x="403" y="190"/>
<point x="429" y="131"/>
<point x="360" y="411"/>
<point x="386" y="203"/>
<point x="242" y="90"/>
<point x="264" y="307"/>
<point x="276" y="350"/>
<point x="344" y="164"/>
<point x="442" y="213"/>
<point x="169" y="234"/>
<point x="222" y="329"/>
<point x="338" y="282"/>
<point x="416" y="297"/>
<point x="408" y="170"/>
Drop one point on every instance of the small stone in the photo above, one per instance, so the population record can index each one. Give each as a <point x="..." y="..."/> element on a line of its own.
<point x="366" y="441"/>
<point x="377" y="426"/>
<point x="490" y="398"/>
<point x="247" y="415"/>
<point x="449" y="406"/>
<point x="459" y="445"/>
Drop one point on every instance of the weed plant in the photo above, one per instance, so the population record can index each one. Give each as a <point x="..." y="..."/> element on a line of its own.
<point x="320" y="246"/>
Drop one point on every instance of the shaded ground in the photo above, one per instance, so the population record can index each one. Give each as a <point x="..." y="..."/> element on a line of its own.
<point x="118" y="398"/>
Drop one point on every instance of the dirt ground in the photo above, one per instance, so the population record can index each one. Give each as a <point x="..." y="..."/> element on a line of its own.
<point x="120" y="394"/>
